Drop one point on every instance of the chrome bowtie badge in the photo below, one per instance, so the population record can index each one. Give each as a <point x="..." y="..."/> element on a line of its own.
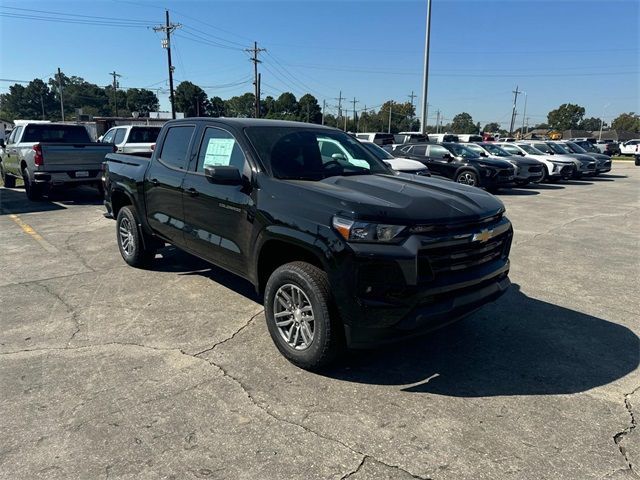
<point x="483" y="236"/>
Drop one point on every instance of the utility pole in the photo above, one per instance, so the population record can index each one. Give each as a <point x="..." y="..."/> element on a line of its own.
<point x="169" y="28"/>
<point x="437" y="120"/>
<point x="42" y="105"/>
<point x="115" y="90"/>
<point x="411" y="97"/>
<point x="390" y="109"/>
<point x="365" y="122"/>
<point x="346" y="116"/>
<point x="60" y="89"/>
<point x="524" y="114"/>
<point x="355" y="119"/>
<point x="527" y="126"/>
<point x="255" y="50"/>
<point x="602" y="121"/>
<point x="340" y="97"/>
<point x="425" y="79"/>
<point x="513" y="112"/>
<point x="324" y="106"/>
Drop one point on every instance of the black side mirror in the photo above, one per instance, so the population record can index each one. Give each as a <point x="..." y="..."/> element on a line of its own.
<point x="223" y="175"/>
<point x="521" y="154"/>
<point x="484" y="154"/>
<point x="2" y="144"/>
<point x="448" y="157"/>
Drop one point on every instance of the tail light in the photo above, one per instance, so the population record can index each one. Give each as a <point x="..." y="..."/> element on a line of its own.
<point x="153" y="147"/>
<point x="37" y="158"/>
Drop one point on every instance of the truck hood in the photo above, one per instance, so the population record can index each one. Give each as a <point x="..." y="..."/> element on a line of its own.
<point x="397" y="199"/>
<point x="495" y="162"/>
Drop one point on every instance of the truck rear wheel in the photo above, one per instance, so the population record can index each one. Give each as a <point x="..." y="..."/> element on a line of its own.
<point x="297" y="304"/>
<point x="33" y="191"/>
<point x="134" y="249"/>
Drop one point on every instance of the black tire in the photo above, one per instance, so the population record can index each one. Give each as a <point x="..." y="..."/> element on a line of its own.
<point x="33" y="191"/>
<point x="467" y="177"/>
<point x="9" y="181"/>
<point x="327" y="340"/>
<point x="100" y="188"/>
<point x="137" y="251"/>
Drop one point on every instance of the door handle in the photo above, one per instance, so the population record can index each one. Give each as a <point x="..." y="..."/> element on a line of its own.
<point x="192" y="192"/>
<point x="155" y="182"/>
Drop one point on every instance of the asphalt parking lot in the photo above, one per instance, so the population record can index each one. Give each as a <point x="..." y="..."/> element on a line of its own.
<point x="112" y="372"/>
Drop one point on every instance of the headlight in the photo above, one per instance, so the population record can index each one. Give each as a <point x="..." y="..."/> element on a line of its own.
<point x="354" y="231"/>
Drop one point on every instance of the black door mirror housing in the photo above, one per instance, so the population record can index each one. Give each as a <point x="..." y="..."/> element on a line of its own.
<point x="2" y="144"/>
<point x="224" y="175"/>
<point x="448" y="157"/>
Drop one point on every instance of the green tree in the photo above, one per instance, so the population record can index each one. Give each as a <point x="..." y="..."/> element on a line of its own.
<point x="35" y="101"/>
<point x="240" y="106"/>
<point x="567" y="116"/>
<point x="463" y="123"/>
<point x="78" y="93"/>
<point x="590" y="124"/>
<point x="627" y="121"/>
<point x="216" y="107"/>
<point x="191" y="99"/>
<point x="287" y="106"/>
<point x="309" y="109"/>
<point x="491" y="127"/>
<point x="142" y="101"/>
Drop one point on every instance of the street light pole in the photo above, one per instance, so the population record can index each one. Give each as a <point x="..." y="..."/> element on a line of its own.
<point x="425" y="79"/>
<point x="602" y="121"/>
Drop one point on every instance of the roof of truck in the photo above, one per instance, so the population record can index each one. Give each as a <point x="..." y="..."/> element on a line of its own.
<point x="250" y="122"/>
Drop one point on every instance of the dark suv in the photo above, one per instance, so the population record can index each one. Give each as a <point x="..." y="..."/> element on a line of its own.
<point x="461" y="164"/>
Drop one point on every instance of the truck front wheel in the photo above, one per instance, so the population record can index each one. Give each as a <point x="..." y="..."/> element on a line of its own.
<point x="298" y="309"/>
<point x="9" y="181"/>
<point x="134" y="250"/>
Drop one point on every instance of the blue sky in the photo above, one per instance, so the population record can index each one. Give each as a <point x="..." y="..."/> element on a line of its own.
<point x="585" y="52"/>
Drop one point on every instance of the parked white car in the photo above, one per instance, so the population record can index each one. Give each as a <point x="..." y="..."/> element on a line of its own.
<point x="555" y="168"/>
<point x="399" y="164"/>
<point x="632" y="147"/>
<point x="132" y="139"/>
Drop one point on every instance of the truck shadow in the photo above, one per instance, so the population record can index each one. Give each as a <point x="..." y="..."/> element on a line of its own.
<point x="516" y="346"/>
<point x="15" y="201"/>
<point x="172" y="259"/>
<point x="516" y="191"/>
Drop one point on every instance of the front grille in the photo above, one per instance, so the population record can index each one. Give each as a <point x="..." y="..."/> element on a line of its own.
<point x="535" y="169"/>
<point x="441" y="259"/>
<point x="505" y="173"/>
<point x="454" y="228"/>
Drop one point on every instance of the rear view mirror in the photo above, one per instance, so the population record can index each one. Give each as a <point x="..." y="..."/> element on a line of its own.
<point x="223" y="175"/>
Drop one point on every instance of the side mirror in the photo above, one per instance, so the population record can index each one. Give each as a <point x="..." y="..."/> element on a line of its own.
<point x="448" y="157"/>
<point x="2" y="144"/>
<point x="338" y="156"/>
<point x="223" y="175"/>
<point x="522" y="154"/>
<point x="484" y="154"/>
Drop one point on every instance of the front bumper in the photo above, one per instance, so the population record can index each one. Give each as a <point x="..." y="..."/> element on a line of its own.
<point x="389" y="292"/>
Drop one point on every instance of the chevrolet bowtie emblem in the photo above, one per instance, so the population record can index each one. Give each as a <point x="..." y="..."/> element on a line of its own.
<point x="483" y="236"/>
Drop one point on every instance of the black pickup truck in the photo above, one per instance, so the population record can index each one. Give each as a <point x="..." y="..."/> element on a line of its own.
<point x="346" y="252"/>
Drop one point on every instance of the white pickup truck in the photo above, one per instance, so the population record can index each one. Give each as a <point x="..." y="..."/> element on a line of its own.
<point x="632" y="147"/>
<point x="132" y="139"/>
<point x="47" y="155"/>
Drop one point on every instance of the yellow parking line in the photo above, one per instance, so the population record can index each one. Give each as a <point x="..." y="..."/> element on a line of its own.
<point x="28" y="229"/>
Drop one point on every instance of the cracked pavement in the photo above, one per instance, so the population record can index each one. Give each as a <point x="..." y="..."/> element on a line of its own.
<point x="112" y="372"/>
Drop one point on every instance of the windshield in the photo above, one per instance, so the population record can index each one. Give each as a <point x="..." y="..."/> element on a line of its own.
<point x="379" y="152"/>
<point x="587" y="146"/>
<point x="559" y="148"/>
<point x="295" y="153"/>
<point x="496" y="150"/>
<point x="531" y="150"/>
<point x="574" y="147"/>
<point x="511" y="149"/>
<point x="461" y="151"/>
<point x="543" y="147"/>
<point x="475" y="148"/>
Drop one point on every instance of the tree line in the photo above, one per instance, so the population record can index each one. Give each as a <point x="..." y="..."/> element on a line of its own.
<point x="42" y="100"/>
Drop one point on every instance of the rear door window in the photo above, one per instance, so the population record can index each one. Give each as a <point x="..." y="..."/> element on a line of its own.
<point x="175" y="147"/>
<point x="119" y="136"/>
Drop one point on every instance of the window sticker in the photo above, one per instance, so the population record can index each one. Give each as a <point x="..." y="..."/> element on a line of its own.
<point x="219" y="152"/>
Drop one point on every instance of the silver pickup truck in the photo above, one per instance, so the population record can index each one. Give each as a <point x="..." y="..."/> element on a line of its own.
<point x="47" y="155"/>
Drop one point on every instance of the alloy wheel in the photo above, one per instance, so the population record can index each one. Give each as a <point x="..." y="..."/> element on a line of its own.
<point x="294" y="316"/>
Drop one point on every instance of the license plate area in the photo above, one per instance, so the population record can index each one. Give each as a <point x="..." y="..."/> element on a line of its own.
<point x="82" y="174"/>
